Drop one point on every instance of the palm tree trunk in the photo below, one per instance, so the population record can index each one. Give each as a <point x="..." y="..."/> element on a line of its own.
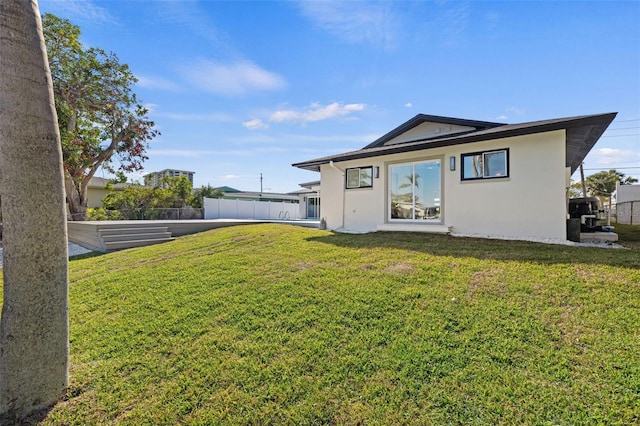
<point x="34" y="336"/>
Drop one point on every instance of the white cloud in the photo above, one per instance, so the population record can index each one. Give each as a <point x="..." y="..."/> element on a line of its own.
<point x="77" y="10"/>
<point x="157" y="83"/>
<point x="454" y="20"/>
<point x="197" y="153"/>
<point x="408" y="105"/>
<point x="255" y="124"/>
<point x="316" y="112"/>
<point x="151" y="107"/>
<point x="355" y="22"/>
<point x="610" y="156"/>
<point x="232" y="79"/>
<point x="218" y="117"/>
<point x="231" y="177"/>
<point x="511" y="111"/>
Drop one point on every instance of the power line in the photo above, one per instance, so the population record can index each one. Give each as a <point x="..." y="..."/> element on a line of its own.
<point x="624" y="128"/>
<point x="614" y="168"/>
<point x="619" y="136"/>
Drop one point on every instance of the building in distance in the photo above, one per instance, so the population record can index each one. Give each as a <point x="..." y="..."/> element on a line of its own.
<point x="154" y="179"/>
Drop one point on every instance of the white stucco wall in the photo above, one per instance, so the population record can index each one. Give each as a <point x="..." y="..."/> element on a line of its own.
<point x="530" y="203"/>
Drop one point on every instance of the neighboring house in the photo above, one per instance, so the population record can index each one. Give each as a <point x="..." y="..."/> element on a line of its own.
<point x="97" y="190"/>
<point x="154" y="179"/>
<point x="236" y="194"/>
<point x="309" y="198"/>
<point x="467" y="177"/>
<point x="627" y="204"/>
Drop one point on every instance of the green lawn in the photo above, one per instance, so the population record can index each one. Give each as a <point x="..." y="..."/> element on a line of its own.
<point x="274" y="324"/>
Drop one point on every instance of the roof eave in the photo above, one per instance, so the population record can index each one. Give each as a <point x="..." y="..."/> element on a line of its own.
<point x="582" y="134"/>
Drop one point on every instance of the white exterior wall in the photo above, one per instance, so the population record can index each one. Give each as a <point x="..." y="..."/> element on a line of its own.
<point x="530" y="203"/>
<point x="626" y="193"/>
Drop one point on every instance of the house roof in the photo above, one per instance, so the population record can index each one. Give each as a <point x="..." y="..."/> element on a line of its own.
<point x="424" y="118"/>
<point x="227" y="189"/>
<point x="260" y="195"/>
<point x="309" y="185"/>
<point x="582" y="133"/>
<point x="101" y="183"/>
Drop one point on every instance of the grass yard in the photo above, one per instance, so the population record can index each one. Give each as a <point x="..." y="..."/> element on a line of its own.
<point x="274" y="324"/>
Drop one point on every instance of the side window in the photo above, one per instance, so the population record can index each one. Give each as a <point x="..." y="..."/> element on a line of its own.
<point x="485" y="165"/>
<point x="361" y="177"/>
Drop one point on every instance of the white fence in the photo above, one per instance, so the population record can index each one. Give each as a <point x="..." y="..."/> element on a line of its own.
<point x="628" y="213"/>
<point x="219" y="208"/>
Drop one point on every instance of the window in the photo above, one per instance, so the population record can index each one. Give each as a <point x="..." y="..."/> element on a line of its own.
<point x="485" y="165"/>
<point x="414" y="191"/>
<point x="360" y="177"/>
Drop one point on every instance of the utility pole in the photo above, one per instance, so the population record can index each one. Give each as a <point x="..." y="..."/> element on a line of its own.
<point x="582" y="181"/>
<point x="260" y="183"/>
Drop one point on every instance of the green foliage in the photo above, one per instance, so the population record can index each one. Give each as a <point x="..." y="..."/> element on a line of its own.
<point x="199" y="194"/>
<point x="273" y="324"/>
<point x="102" y="124"/>
<point x="575" y="190"/>
<point x="103" y="214"/>
<point x="604" y="183"/>
<point x="139" y="201"/>
<point x="179" y="188"/>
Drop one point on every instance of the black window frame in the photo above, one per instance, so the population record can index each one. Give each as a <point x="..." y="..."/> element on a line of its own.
<point x="346" y="177"/>
<point x="483" y="153"/>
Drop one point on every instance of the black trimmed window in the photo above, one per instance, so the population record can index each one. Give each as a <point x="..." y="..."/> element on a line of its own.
<point x="360" y="177"/>
<point x="485" y="165"/>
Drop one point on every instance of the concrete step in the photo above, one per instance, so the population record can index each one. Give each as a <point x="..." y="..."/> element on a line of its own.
<point x="598" y="237"/>
<point x="136" y="236"/>
<point x="136" y="230"/>
<point x="121" y="245"/>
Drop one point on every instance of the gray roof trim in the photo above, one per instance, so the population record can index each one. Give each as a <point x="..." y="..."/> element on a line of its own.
<point x="424" y="118"/>
<point x="308" y="185"/>
<point x="582" y="134"/>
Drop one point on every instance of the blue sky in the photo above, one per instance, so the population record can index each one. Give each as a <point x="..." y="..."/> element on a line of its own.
<point x="242" y="88"/>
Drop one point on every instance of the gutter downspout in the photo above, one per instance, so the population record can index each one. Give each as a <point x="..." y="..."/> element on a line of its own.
<point x="343" y="192"/>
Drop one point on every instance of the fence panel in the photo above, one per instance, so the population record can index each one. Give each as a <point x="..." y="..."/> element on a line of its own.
<point x="628" y="213"/>
<point x="218" y="208"/>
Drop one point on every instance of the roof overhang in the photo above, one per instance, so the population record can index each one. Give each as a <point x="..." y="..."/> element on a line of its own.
<point x="582" y="133"/>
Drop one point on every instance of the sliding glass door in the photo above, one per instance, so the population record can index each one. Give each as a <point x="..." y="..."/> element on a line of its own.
<point x="414" y="191"/>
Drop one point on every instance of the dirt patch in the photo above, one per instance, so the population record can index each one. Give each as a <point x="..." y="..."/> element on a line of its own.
<point x="399" y="269"/>
<point x="485" y="280"/>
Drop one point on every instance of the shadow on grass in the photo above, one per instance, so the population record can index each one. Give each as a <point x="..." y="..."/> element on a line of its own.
<point x="33" y="419"/>
<point x="480" y="248"/>
<point x="86" y="255"/>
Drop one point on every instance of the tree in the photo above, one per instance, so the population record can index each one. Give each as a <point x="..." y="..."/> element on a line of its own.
<point x="575" y="190"/>
<point x="139" y="201"/>
<point x="603" y="184"/>
<point x="180" y="188"/>
<point x="102" y="124"/>
<point x="199" y="194"/>
<point x="34" y="333"/>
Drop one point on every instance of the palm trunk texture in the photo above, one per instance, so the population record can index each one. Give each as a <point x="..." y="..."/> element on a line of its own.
<point x="34" y="327"/>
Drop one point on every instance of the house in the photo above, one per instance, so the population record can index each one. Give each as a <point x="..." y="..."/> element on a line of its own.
<point x="309" y="199"/>
<point x="465" y="177"/>
<point x="236" y="194"/>
<point x="97" y="190"/>
<point x="154" y="179"/>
